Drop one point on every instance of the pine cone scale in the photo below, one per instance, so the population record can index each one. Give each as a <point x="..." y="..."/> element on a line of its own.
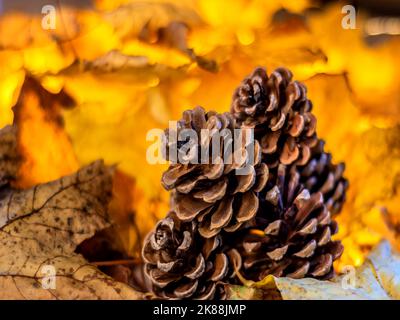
<point x="214" y="193"/>
<point x="221" y="266"/>
<point x="300" y="272"/>
<point x="221" y="217"/>
<point x="198" y="269"/>
<point x="248" y="207"/>
<point x="187" y="207"/>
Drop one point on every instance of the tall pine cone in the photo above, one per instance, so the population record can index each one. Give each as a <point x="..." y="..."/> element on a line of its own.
<point x="213" y="193"/>
<point x="291" y="234"/>
<point x="183" y="265"/>
<point x="321" y="175"/>
<point x="280" y="113"/>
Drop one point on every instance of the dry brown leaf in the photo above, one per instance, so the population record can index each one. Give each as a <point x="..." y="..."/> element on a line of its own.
<point x="41" y="227"/>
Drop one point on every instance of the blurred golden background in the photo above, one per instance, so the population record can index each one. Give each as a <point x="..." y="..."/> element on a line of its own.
<point x="112" y="70"/>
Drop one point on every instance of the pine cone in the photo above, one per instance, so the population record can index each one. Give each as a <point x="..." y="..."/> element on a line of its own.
<point x="321" y="175"/>
<point x="280" y="113"/>
<point x="291" y="234"/>
<point x="213" y="193"/>
<point x="183" y="265"/>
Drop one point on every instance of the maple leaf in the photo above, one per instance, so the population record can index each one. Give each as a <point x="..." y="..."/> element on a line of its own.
<point x="40" y="229"/>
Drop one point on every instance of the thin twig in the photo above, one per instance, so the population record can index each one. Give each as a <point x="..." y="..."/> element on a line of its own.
<point x="115" y="262"/>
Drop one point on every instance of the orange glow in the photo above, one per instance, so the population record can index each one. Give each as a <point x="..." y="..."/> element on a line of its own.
<point x="38" y="127"/>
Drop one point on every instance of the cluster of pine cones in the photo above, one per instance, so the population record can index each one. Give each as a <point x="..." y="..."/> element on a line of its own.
<point x="277" y="219"/>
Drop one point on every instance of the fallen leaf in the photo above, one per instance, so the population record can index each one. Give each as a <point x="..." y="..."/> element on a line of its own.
<point x="386" y="264"/>
<point x="378" y="278"/>
<point x="40" y="229"/>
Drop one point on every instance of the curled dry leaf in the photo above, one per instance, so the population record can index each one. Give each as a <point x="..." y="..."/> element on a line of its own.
<point x="40" y="229"/>
<point x="377" y="278"/>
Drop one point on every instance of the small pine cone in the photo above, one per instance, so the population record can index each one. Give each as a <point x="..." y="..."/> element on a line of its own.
<point x="183" y="265"/>
<point x="213" y="193"/>
<point x="321" y="175"/>
<point x="291" y="234"/>
<point x="280" y="113"/>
